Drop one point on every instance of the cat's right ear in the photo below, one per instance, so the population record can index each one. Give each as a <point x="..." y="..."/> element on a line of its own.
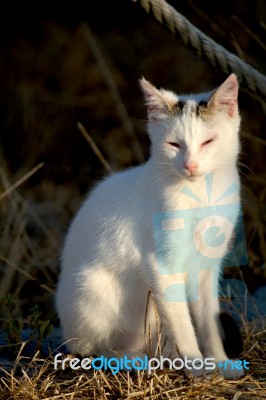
<point x="156" y="105"/>
<point x="225" y="97"/>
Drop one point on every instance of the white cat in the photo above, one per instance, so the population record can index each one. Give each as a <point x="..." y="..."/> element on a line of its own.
<point x="110" y="259"/>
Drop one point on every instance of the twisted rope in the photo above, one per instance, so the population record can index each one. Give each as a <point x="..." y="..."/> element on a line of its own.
<point x="215" y="53"/>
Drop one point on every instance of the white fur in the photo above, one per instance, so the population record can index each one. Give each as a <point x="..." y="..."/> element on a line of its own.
<point x="109" y="262"/>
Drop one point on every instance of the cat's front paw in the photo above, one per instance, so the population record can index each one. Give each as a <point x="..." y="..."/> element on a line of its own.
<point x="231" y="369"/>
<point x="198" y="370"/>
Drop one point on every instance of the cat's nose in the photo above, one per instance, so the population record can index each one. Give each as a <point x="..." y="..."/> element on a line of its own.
<point x="191" y="166"/>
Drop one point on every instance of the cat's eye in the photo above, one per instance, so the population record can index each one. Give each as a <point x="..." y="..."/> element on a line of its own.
<point x="176" y="145"/>
<point x="207" y="142"/>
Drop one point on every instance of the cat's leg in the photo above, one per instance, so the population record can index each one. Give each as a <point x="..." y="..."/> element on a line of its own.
<point x="103" y="311"/>
<point x="205" y="312"/>
<point x="174" y="315"/>
<point x="88" y="303"/>
<point x="137" y="339"/>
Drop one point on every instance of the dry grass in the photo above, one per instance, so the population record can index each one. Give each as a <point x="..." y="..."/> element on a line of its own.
<point x="34" y="378"/>
<point x="23" y="254"/>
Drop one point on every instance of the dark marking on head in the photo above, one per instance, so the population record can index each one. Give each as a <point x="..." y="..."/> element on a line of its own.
<point x="203" y="109"/>
<point x="203" y="103"/>
<point x="178" y="107"/>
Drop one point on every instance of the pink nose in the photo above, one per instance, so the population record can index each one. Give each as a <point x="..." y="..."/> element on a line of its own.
<point x="191" y="166"/>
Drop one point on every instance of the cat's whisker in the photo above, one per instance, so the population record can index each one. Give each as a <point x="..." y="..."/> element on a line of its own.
<point x="158" y="179"/>
<point x="241" y="164"/>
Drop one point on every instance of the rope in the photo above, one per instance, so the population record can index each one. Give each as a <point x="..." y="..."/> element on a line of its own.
<point x="215" y="53"/>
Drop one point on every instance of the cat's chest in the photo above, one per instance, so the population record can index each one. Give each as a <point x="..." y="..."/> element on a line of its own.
<point x="196" y="221"/>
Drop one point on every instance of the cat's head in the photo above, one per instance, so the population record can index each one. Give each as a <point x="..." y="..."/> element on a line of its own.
<point x="194" y="134"/>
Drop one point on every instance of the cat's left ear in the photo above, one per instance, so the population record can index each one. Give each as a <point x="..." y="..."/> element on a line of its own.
<point x="155" y="100"/>
<point x="225" y="97"/>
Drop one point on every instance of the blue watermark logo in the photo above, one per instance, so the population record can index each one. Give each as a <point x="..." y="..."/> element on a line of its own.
<point x="234" y="364"/>
<point x="201" y="238"/>
<point x="144" y="363"/>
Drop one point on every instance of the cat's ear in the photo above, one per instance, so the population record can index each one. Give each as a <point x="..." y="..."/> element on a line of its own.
<point x="156" y="104"/>
<point x="225" y="97"/>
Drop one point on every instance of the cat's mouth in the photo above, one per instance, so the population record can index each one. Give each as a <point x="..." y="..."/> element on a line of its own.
<point x="193" y="176"/>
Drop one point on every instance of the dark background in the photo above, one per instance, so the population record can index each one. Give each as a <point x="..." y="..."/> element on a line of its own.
<point x="50" y="79"/>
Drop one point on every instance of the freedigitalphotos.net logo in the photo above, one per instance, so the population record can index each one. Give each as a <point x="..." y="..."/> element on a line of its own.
<point x="144" y="363"/>
<point x="196" y="239"/>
